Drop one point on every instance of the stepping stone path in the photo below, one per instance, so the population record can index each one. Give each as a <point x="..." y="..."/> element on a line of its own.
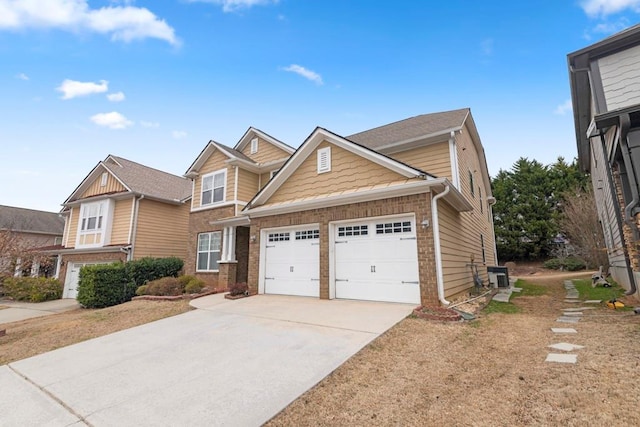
<point x="569" y="315"/>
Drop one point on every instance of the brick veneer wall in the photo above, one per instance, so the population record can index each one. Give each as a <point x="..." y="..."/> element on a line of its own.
<point x="420" y="205"/>
<point x="199" y="223"/>
<point x="89" y="257"/>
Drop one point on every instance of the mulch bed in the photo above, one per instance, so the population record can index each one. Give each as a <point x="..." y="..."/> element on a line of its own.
<point x="437" y="313"/>
<point x="176" y="297"/>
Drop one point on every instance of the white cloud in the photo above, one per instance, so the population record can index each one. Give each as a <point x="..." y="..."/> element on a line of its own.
<point x="179" y="134"/>
<point x="112" y="120"/>
<point x="307" y="74"/>
<point x="563" y="108"/>
<point x="124" y="23"/>
<point x="115" y="97"/>
<point x="235" y="5"/>
<point x="145" y="124"/>
<point x="22" y="76"/>
<point x="72" y="88"/>
<point x="608" y="7"/>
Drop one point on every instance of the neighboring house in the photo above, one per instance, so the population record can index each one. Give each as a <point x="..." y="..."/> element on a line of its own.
<point x="24" y="230"/>
<point x="605" y="90"/>
<point x="399" y="213"/>
<point x="122" y="210"/>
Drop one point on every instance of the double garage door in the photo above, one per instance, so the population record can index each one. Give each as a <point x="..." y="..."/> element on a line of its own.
<point x="371" y="259"/>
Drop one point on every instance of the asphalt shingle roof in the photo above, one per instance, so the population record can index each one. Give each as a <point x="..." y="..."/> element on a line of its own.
<point x="148" y="181"/>
<point x="413" y="127"/>
<point x="30" y="220"/>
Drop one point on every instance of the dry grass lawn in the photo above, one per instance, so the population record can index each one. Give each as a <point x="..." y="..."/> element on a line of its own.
<point x="487" y="372"/>
<point x="30" y="337"/>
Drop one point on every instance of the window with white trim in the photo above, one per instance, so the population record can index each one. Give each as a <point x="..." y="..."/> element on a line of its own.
<point x="307" y="234"/>
<point x="278" y="237"/>
<point x="213" y="188"/>
<point x="254" y="145"/>
<point x="324" y="160"/>
<point x="353" y="230"/>
<point x="93" y="223"/>
<point x="393" y="227"/>
<point x="209" y="245"/>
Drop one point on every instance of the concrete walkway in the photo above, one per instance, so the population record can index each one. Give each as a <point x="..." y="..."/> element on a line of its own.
<point x="227" y="363"/>
<point x="13" y="311"/>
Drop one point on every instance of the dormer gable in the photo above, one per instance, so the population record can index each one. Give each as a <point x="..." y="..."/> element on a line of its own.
<point x="262" y="147"/>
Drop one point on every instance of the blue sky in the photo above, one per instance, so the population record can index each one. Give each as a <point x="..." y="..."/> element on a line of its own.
<point x="154" y="81"/>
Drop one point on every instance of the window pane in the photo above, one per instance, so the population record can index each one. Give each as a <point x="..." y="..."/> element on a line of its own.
<point x="203" y="242"/>
<point x="218" y="180"/>
<point x="207" y="183"/>
<point x="91" y="223"/>
<point x="218" y="194"/>
<point x="99" y="223"/>
<point x="202" y="261"/>
<point x="206" y="197"/>
<point x="214" y="257"/>
<point x="216" y="238"/>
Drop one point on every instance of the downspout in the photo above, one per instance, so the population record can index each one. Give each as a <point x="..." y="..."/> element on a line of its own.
<point x="625" y="125"/>
<point x="132" y="242"/>
<point x="492" y="201"/>
<point x="436" y="243"/>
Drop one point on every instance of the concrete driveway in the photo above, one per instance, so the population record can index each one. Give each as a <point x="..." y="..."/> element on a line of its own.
<point x="227" y="363"/>
<point x="13" y="311"/>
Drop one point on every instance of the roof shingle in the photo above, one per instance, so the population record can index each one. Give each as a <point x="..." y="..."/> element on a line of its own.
<point x="30" y="220"/>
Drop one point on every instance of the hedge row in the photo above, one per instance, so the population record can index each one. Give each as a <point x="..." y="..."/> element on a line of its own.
<point x="104" y="285"/>
<point x="569" y="264"/>
<point x="32" y="289"/>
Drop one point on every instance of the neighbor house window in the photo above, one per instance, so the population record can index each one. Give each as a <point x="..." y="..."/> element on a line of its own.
<point x="254" y="145"/>
<point x="92" y="224"/>
<point x="209" y="251"/>
<point x="213" y="187"/>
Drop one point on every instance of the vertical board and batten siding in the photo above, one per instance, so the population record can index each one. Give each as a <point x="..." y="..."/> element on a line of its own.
<point x="95" y="189"/>
<point x="121" y="221"/>
<point x="73" y="227"/>
<point x="214" y="163"/>
<point x="267" y="152"/>
<point x="460" y="231"/>
<point x="247" y="185"/>
<point x="162" y="230"/>
<point x="349" y="171"/>
<point x="434" y="159"/>
<point x="620" y="75"/>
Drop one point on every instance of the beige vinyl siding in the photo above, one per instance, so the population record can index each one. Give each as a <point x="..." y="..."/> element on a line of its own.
<point x="247" y="185"/>
<point x="264" y="179"/>
<point x="348" y="171"/>
<point x="73" y="227"/>
<point x="112" y="186"/>
<point x="267" y="152"/>
<point x="620" y="75"/>
<point x="214" y="163"/>
<point x="434" y="159"/>
<point x="121" y="221"/>
<point x="162" y="230"/>
<point x="460" y="231"/>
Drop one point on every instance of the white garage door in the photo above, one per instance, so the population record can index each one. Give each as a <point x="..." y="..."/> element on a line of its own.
<point x="292" y="262"/>
<point x="73" y="275"/>
<point x="377" y="260"/>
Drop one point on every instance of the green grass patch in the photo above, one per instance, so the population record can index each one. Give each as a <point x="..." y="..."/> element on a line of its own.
<point x="501" y="307"/>
<point x="605" y="294"/>
<point x="528" y="289"/>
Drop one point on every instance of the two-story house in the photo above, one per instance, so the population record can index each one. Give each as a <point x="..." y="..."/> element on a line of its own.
<point x="605" y="90"/>
<point x="399" y="213"/>
<point x="122" y="210"/>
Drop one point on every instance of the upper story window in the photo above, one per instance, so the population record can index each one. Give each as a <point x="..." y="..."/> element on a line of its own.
<point x="93" y="224"/>
<point x="254" y="145"/>
<point x="324" y="160"/>
<point x="213" y="187"/>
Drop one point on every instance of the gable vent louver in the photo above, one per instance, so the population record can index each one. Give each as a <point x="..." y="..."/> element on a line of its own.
<point x="324" y="160"/>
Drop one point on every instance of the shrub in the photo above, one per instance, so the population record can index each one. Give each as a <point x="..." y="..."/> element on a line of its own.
<point x="192" y="285"/>
<point x="238" y="289"/>
<point x="104" y="285"/>
<point x="32" y="289"/>
<point x="142" y="290"/>
<point x="167" y="286"/>
<point x="569" y="263"/>
<point x="148" y="269"/>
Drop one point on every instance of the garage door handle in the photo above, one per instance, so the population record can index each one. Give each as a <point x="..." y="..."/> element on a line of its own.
<point x="270" y="246"/>
<point x="342" y="280"/>
<point x="412" y="283"/>
<point x="341" y="241"/>
<point x="315" y="244"/>
<point x="407" y="238"/>
<point x="269" y="278"/>
<point x="315" y="280"/>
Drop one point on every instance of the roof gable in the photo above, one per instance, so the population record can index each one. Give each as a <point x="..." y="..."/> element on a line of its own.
<point x="136" y="179"/>
<point x="211" y="147"/>
<point x="322" y="136"/>
<point x="253" y="132"/>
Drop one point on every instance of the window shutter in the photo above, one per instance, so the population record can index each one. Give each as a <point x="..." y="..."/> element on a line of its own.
<point x="324" y="160"/>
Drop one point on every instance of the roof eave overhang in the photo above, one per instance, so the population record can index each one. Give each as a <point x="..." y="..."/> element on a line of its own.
<point x="101" y="250"/>
<point x="418" y="141"/>
<point x="236" y="221"/>
<point x="454" y="198"/>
